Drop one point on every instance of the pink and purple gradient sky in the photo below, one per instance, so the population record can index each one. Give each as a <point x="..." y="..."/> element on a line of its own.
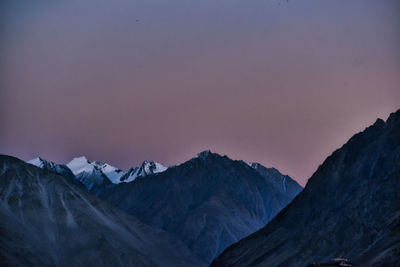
<point x="281" y="83"/>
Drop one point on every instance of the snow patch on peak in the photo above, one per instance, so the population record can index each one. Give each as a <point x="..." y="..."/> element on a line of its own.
<point x="112" y="173"/>
<point x="82" y="167"/>
<point x="38" y="162"/>
<point x="151" y="167"/>
<point x="80" y="164"/>
<point x="147" y="168"/>
<point x="80" y="160"/>
<point x="254" y="165"/>
<point x="41" y="163"/>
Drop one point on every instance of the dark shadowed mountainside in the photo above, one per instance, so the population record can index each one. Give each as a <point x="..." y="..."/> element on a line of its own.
<point x="282" y="183"/>
<point x="208" y="202"/>
<point x="350" y="208"/>
<point x="47" y="221"/>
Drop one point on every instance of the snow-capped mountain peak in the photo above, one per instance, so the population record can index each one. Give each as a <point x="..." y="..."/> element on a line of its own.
<point x="51" y="166"/>
<point x="38" y="162"/>
<point x="80" y="164"/>
<point x="112" y="173"/>
<point x="83" y="165"/>
<point x="151" y="167"/>
<point x="41" y="163"/>
<point x="90" y="173"/>
<point x="147" y="168"/>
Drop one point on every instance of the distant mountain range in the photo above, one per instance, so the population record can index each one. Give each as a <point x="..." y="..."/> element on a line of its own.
<point x="208" y="202"/>
<point x="47" y="221"/>
<point x="350" y="208"/>
<point x="94" y="214"/>
<point x="96" y="173"/>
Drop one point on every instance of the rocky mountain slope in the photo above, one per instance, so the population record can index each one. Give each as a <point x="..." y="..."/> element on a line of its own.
<point x="208" y="202"/>
<point x="350" y="208"/>
<point x="47" y="221"/>
<point x="283" y="183"/>
<point x="63" y="170"/>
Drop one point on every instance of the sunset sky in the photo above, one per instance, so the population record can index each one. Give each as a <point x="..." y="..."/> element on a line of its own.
<point x="283" y="83"/>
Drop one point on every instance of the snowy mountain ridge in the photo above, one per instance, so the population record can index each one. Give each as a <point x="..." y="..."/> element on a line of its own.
<point x="82" y="167"/>
<point x="82" y="164"/>
<point x="147" y="168"/>
<point x="208" y="186"/>
<point x="48" y="221"/>
<point x="39" y="162"/>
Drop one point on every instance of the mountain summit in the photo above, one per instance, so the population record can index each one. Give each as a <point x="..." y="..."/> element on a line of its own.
<point x="82" y="167"/>
<point x="97" y="174"/>
<point x="147" y="168"/>
<point x="208" y="202"/>
<point x="47" y="221"/>
<point x="350" y="207"/>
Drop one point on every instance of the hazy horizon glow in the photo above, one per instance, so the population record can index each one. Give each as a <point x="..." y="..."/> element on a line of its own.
<point x="276" y="82"/>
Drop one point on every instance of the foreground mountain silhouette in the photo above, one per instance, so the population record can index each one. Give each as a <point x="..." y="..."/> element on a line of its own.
<point x="47" y="221"/>
<point x="350" y="207"/>
<point x="208" y="202"/>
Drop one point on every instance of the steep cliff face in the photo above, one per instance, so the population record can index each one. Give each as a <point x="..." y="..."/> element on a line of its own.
<point x="350" y="207"/>
<point x="47" y="221"/>
<point x="208" y="202"/>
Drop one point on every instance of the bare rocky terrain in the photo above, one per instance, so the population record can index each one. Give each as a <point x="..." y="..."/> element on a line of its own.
<point x="350" y="207"/>
<point x="47" y="221"/>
